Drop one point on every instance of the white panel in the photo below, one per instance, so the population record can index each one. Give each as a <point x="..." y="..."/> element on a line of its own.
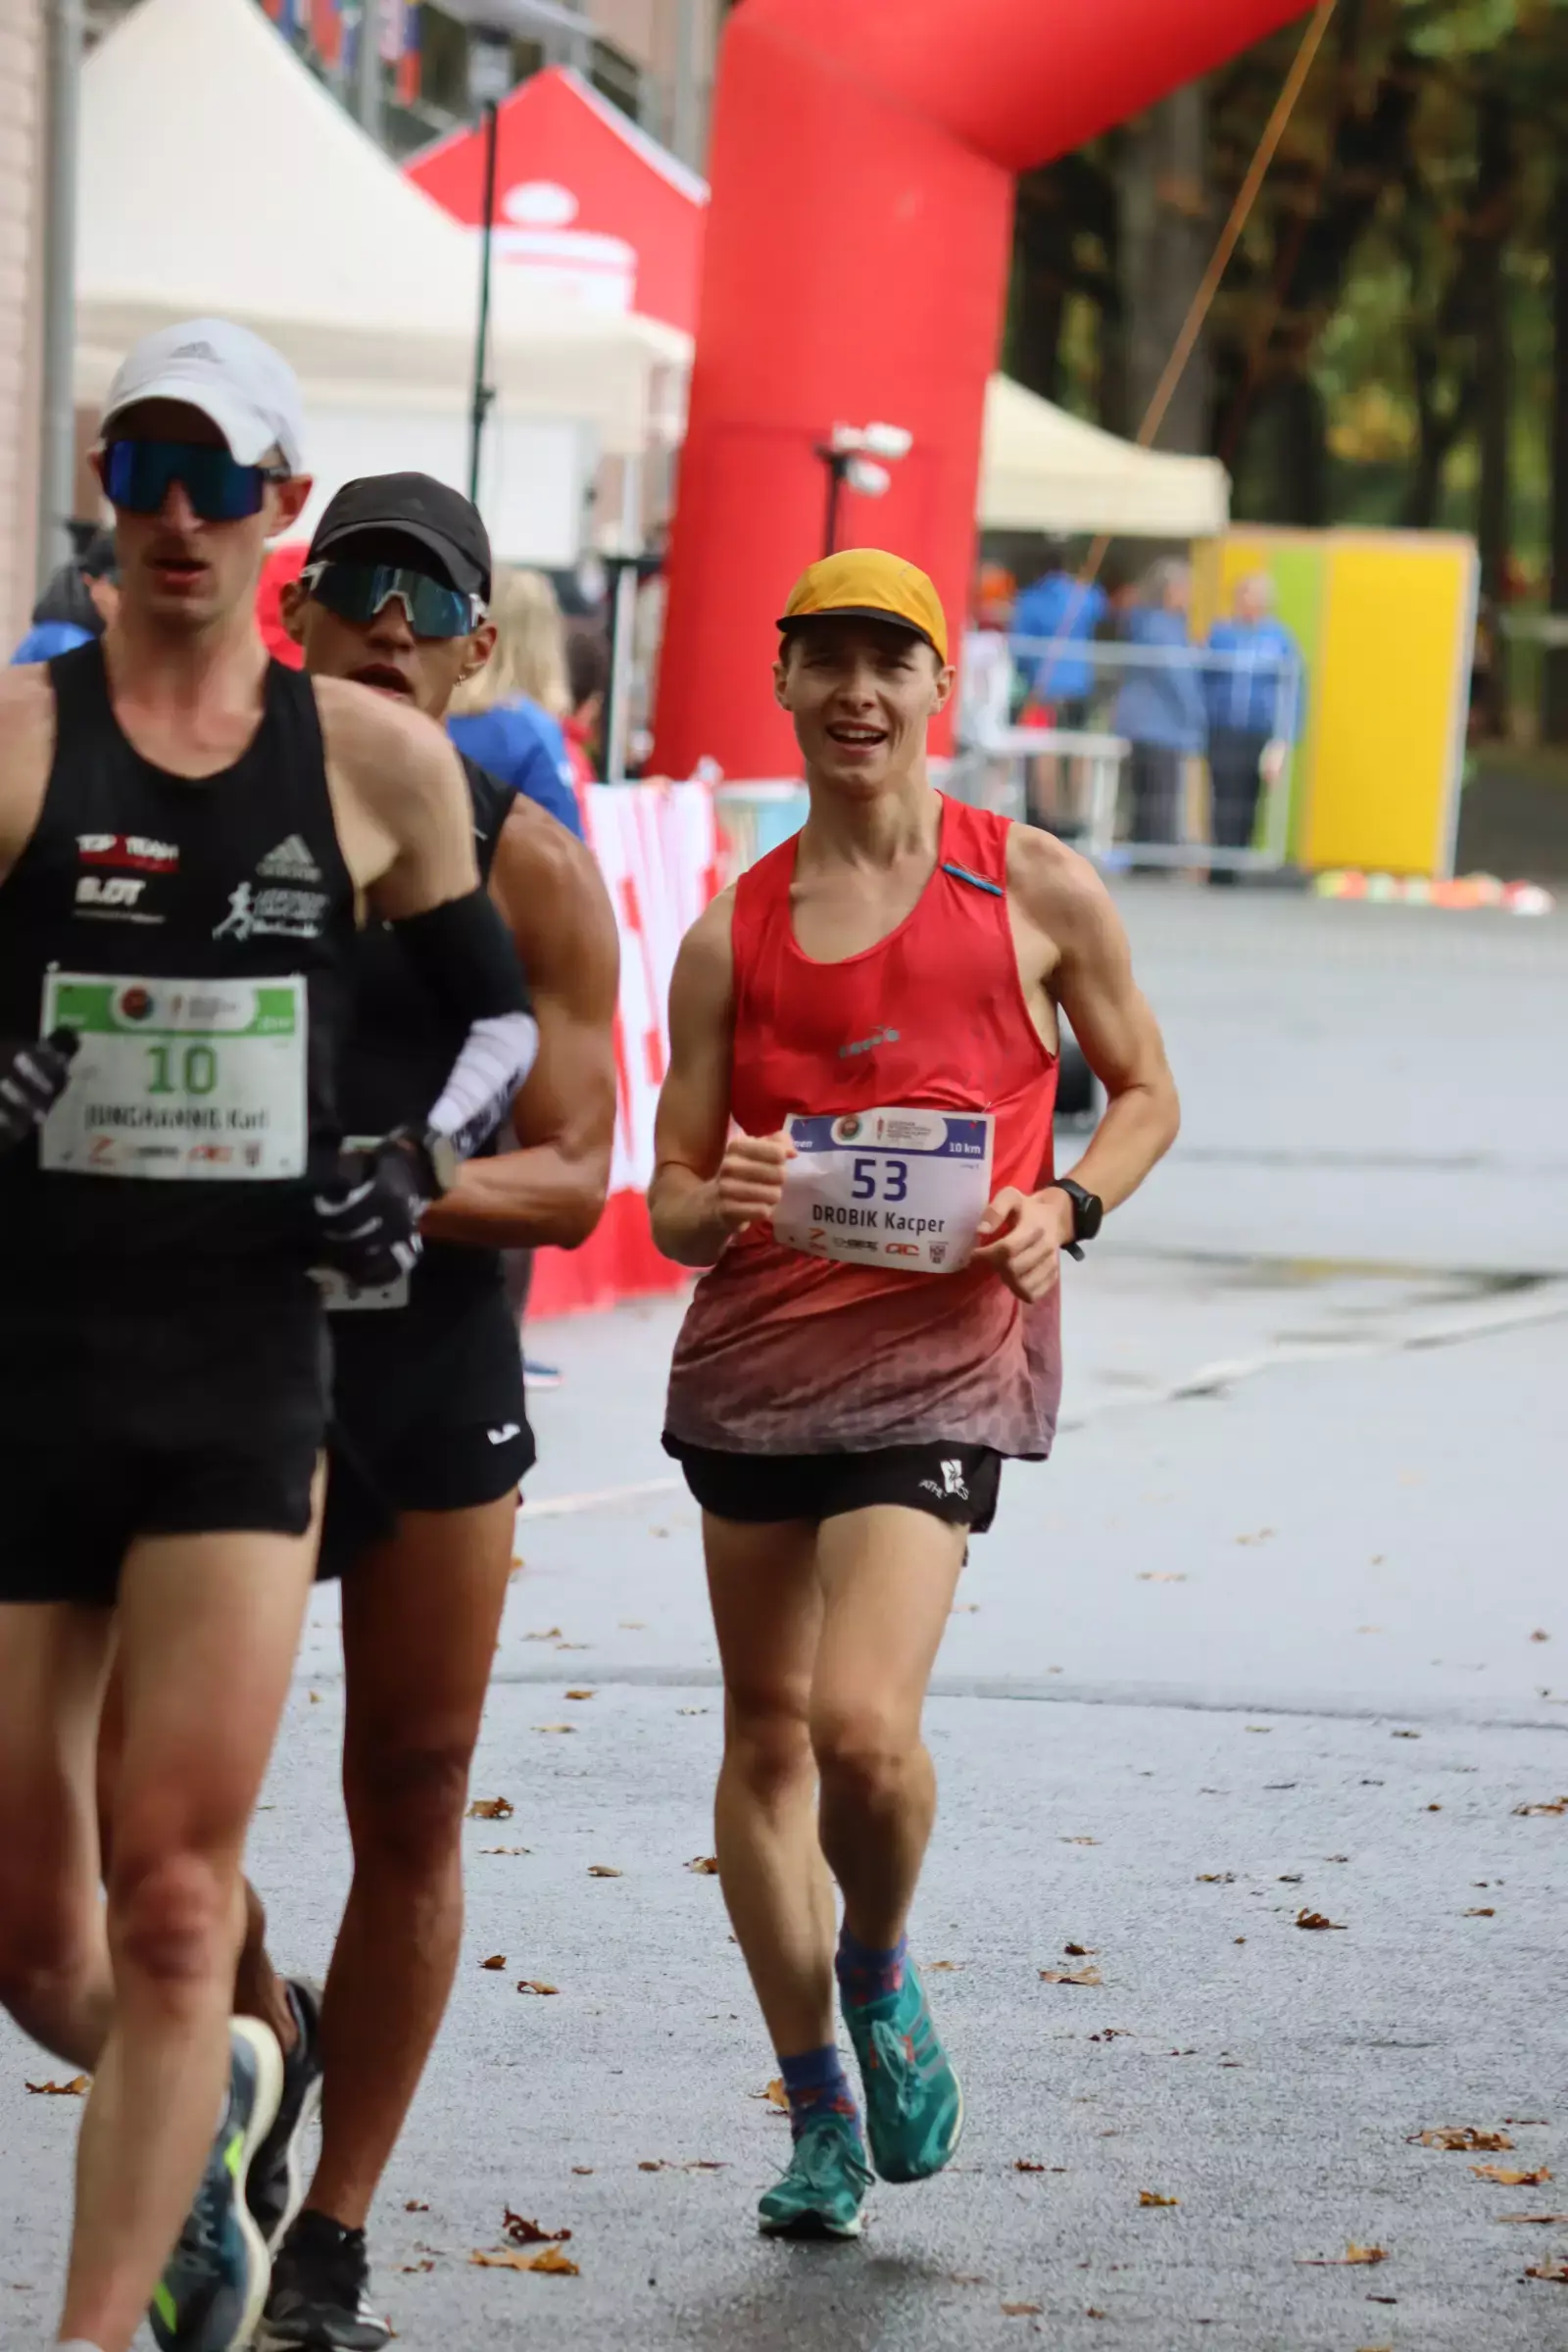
<point x="531" y="486"/>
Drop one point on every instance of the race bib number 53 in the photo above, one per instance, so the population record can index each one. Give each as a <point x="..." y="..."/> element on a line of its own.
<point x="188" y="1078"/>
<point x="887" y="1188"/>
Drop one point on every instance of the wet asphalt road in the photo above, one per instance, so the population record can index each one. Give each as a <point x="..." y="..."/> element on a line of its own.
<point x="1264" y="1639"/>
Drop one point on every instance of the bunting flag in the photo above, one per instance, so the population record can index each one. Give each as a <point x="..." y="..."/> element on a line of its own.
<point x="327" y="32"/>
<point x="399" y="46"/>
<point x="285" y="14"/>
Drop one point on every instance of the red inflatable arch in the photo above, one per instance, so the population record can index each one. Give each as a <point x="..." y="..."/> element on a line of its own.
<point x="864" y="157"/>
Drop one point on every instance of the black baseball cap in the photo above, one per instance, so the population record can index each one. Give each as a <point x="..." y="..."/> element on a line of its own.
<point x="409" y="505"/>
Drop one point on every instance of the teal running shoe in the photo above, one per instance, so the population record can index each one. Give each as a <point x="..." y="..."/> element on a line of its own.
<point x="913" y="2105"/>
<point x="214" y="2290"/>
<point x="823" y="2193"/>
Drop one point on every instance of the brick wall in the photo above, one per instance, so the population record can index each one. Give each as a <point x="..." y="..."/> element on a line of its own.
<point x="21" y="227"/>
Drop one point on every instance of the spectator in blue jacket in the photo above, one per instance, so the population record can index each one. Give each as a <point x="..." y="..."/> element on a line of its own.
<point x="1058" y="605"/>
<point x="77" y="605"/>
<point x="1255" y="711"/>
<point x="508" y="717"/>
<point x="1160" y="706"/>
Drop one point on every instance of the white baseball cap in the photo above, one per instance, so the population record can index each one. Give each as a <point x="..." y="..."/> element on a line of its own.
<point x="240" y="383"/>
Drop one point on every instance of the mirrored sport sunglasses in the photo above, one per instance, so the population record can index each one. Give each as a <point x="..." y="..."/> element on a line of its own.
<point x="358" y="591"/>
<point x="138" y="476"/>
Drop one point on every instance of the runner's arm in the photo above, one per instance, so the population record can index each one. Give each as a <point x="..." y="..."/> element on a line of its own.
<point x="692" y="1223"/>
<point x="548" y="887"/>
<point x="1111" y="1019"/>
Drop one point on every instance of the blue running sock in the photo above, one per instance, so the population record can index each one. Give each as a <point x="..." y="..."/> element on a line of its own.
<point x="815" y="2085"/>
<point x="865" y="1974"/>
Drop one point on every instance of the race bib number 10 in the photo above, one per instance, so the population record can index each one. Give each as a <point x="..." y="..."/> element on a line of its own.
<point x="887" y="1188"/>
<point x="178" y="1078"/>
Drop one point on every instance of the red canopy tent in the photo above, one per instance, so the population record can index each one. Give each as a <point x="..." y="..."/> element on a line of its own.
<point x="584" y="199"/>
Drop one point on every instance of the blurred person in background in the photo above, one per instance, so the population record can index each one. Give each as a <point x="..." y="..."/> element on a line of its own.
<point x="986" y="681"/>
<point x="1161" y="708"/>
<point x="588" y="681"/>
<point x="1057" y="607"/>
<point x="508" y="719"/>
<point x="79" y="602"/>
<point x="1253" y="713"/>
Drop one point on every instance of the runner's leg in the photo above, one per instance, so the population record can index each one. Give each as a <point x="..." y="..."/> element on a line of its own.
<point x="421" y="1616"/>
<point x="887" y="1579"/>
<point x="259" y="1989"/>
<point x="54" y="1956"/>
<point x="207" y="1628"/>
<point x="767" y="1610"/>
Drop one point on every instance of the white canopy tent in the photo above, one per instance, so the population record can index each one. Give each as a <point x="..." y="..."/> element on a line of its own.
<point x="219" y="177"/>
<point x="1041" y="470"/>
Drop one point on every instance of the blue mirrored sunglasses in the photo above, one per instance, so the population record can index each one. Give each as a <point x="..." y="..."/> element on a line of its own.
<point x="358" y="591"/>
<point x="138" y="476"/>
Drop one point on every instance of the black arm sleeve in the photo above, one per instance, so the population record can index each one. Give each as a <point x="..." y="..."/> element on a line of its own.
<point x="465" y="956"/>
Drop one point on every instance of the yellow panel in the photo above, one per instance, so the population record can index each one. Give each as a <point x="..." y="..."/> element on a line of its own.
<point x="1396" y="640"/>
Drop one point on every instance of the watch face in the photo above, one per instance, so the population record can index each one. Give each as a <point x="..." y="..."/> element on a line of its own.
<point x="1091" y="1215"/>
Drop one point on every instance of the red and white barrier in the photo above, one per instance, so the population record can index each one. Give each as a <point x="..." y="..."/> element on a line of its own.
<point x="657" y="846"/>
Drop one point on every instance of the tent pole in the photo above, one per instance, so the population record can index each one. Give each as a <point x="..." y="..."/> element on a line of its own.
<point x="57" y="470"/>
<point x="368" y="92"/>
<point x="483" y="391"/>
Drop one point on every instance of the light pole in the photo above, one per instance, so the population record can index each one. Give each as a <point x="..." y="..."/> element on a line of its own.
<point x="854" y="456"/>
<point x="56" y="469"/>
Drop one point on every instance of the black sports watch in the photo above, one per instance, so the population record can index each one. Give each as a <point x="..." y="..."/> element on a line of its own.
<point x="1088" y="1213"/>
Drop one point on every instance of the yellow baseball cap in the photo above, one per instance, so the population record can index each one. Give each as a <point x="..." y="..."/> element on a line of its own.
<point x="866" y="583"/>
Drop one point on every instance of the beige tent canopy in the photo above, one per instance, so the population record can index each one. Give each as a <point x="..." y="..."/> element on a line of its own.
<point x="1041" y="470"/>
<point x="217" y="175"/>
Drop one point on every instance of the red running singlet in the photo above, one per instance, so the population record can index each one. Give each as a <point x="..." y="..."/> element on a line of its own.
<point x="781" y="1352"/>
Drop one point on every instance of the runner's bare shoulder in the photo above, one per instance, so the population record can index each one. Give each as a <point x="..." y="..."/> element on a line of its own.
<point x="394" y="778"/>
<point x="1055" y="891"/>
<point x="27" y="754"/>
<point x="704" y="969"/>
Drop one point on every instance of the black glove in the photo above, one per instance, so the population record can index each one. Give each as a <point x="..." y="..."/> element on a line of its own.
<point x="367" y="1219"/>
<point x="32" y="1079"/>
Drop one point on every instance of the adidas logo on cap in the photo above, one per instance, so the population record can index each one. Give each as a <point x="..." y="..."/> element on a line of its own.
<point x="290" y="862"/>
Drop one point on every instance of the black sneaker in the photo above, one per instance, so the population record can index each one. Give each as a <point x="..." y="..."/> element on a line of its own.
<point x="277" y="2189"/>
<point x="321" y="2300"/>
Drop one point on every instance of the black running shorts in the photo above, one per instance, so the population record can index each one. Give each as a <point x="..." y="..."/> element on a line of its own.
<point x="951" y="1481"/>
<point x="161" y="1421"/>
<point x="427" y="1413"/>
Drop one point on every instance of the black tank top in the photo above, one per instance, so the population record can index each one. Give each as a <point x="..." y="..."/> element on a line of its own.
<point x="143" y="877"/>
<point x="401" y="1048"/>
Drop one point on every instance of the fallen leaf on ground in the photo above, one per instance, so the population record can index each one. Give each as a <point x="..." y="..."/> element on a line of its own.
<point x="533" y="1985"/>
<point x="1162" y="1575"/>
<point x="1070" y="1976"/>
<point x="965" y="2279"/>
<point x="1152" y="2196"/>
<point x="1262" y="1536"/>
<point x="1530" y="2217"/>
<point x="582" y="2170"/>
<point x="653" y="2164"/>
<point x="491" y="1808"/>
<point x="1557" y="1805"/>
<point x="1216" y="1877"/>
<point x="1555" y="2272"/>
<point x="1352" y="2254"/>
<point x="552" y="2260"/>
<point x="1077" y="1841"/>
<point x="966" y="1608"/>
<point x="1460" y="2135"/>
<point x="573" y="1645"/>
<point x="1318" y="1919"/>
<point x="1092" y="2312"/>
<point x="776" y="2094"/>
<point x="1021" y="2311"/>
<point x="1539" y="1635"/>
<point x="409" y="2267"/>
<point x="705" y="1865"/>
<point x="1026" y="2164"/>
<point x="1080" y="1951"/>
<point x="506" y="1849"/>
<point x="691" y="1710"/>
<point x="551" y="1632"/>
<point x="414" y="2205"/>
<point x="1259" y="1727"/>
<point x="555" y="1727"/>
<point x="1405" y="1734"/>
<point x="496" y="1960"/>
<point x="633" y="1625"/>
<point x="1481" y="1911"/>
<point x="944" y="1968"/>
<point x="523" y="2232"/>
<point x="705" y="2164"/>
<point x="1291" y="1877"/>
<point x="1511" y="2180"/>
<point x="581" y="1695"/>
<point x="602" y="1870"/>
<point x="77" y="2089"/>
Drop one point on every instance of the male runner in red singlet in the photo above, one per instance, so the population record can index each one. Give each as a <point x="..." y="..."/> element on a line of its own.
<point x="855" y="1139"/>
